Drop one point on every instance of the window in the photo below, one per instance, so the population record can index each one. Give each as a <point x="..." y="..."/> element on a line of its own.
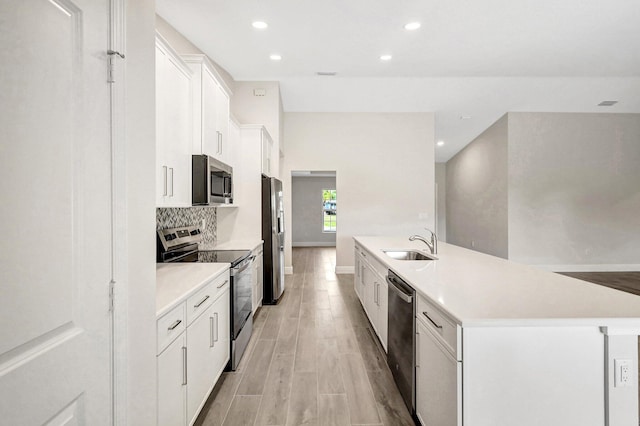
<point x="329" y="212"/>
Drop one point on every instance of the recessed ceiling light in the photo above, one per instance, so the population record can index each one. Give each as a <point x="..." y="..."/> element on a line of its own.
<point x="412" y="26"/>
<point x="385" y="57"/>
<point x="440" y="143"/>
<point x="275" y="57"/>
<point x="607" y="103"/>
<point x="465" y="117"/>
<point x="259" y="25"/>
<point x="326" y="73"/>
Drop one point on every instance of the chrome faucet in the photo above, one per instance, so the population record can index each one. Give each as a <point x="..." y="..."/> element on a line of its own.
<point x="433" y="244"/>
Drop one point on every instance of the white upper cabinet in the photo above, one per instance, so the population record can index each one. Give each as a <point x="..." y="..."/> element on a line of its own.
<point x="173" y="128"/>
<point x="268" y="168"/>
<point x="210" y="110"/>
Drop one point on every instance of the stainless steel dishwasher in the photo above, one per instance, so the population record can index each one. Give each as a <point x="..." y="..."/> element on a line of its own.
<point x="401" y="337"/>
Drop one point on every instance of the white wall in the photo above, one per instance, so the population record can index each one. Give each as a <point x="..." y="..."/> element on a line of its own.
<point x="477" y="193"/>
<point x="266" y="110"/>
<point x="306" y="211"/>
<point x="140" y="215"/>
<point x="574" y="190"/>
<point x="385" y="171"/>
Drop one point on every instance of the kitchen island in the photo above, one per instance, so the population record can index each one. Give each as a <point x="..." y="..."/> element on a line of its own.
<point x="499" y="343"/>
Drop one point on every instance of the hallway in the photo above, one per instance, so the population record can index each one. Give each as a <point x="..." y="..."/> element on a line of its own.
<point x="312" y="359"/>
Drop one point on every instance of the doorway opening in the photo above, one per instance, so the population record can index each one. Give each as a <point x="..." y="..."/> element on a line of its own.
<point x="314" y="208"/>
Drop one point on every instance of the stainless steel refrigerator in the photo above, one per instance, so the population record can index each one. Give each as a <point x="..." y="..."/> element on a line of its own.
<point x="273" y="236"/>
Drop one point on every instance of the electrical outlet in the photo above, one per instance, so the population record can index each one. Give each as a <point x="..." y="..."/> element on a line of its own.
<point x="623" y="372"/>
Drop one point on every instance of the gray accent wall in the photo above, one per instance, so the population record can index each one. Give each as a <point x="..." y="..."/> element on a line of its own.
<point x="476" y="195"/>
<point x="306" y="211"/>
<point x="557" y="190"/>
<point x="574" y="188"/>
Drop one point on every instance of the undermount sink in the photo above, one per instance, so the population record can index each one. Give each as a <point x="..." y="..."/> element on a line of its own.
<point x="408" y="255"/>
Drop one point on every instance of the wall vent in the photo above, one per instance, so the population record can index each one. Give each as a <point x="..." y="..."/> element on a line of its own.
<point x="259" y="92"/>
<point x="327" y="73"/>
<point x="607" y="103"/>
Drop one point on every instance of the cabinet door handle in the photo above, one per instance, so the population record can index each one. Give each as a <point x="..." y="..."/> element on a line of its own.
<point x="375" y="293"/>
<point x="211" y="338"/>
<point x="223" y="284"/>
<point x="215" y="315"/>
<point x="171" y="174"/>
<point x="165" y="174"/>
<point x="197" y="305"/>
<point x="184" y="365"/>
<point x="432" y="321"/>
<point x="174" y="325"/>
<point x="417" y="349"/>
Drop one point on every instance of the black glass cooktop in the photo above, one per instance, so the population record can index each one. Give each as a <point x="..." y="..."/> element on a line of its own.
<point x="223" y="256"/>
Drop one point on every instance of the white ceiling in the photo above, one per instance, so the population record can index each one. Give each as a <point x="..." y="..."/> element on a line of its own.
<point x="477" y="58"/>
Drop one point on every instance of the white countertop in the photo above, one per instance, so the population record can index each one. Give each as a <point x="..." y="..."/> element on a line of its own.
<point x="175" y="282"/>
<point x="232" y="245"/>
<point x="479" y="289"/>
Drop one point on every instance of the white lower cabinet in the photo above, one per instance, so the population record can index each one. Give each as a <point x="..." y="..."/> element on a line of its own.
<point x="171" y="383"/>
<point x="208" y="353"/>
<point x="357" y="284"/>
<point x="189" y="367"/>
<point x="257" y="279"/>
<point x="437" y="380"/>
<point x="371" y="287"/>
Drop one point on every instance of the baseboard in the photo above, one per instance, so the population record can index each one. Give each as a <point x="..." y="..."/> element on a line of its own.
<point x="288" y="270"/>
<point x="628" y="267"/>
<point x="345" y="270"/>
<point x="316" y="244"/>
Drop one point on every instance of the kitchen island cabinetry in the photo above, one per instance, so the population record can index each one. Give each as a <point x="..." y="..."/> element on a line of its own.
<point x="210" y="110"/>
<point x="173" y="128"/>
<point x="193" y="331"/>
<point x="371" y="287"/>
<point x="438" y="375"/>
<point x="500" y="344"/>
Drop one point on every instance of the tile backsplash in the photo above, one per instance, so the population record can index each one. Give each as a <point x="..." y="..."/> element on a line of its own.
<point x="172" y="217"/>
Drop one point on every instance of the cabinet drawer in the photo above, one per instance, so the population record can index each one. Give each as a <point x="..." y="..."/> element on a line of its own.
<point x="439" y="324"/>
<point x="170" y="326"/>
<point x="376" y="265"/>
<point x="200" y="301"/>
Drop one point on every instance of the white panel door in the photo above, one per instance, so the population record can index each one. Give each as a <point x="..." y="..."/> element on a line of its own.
<point x="55" y="210"/>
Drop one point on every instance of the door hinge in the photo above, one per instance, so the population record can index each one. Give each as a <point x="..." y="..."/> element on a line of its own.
<point x="111" y="64"/>
<point x="112" y="285"/>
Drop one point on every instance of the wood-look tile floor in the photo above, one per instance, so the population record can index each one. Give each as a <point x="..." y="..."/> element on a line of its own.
<point x="312" y="359"/>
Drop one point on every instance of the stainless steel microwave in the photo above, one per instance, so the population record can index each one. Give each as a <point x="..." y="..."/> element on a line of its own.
<point x="212" y="181"/>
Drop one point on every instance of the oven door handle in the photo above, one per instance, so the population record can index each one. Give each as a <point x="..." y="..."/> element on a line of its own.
<point x="236" y="270"/>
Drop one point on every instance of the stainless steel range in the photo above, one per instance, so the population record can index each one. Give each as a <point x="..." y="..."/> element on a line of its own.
<point x="181" y="245"/>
